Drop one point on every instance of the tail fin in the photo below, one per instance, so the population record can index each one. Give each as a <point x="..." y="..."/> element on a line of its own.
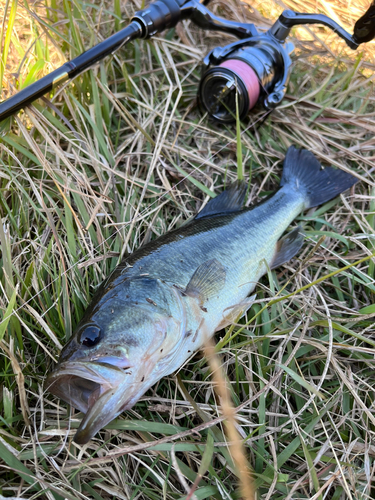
<point x="303" y="172"/>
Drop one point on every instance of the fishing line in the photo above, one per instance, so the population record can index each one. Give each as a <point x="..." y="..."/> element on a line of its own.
<point x="124" y="224"/>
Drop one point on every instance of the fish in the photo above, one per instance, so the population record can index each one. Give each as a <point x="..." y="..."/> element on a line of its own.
<point x="162" y="302"/>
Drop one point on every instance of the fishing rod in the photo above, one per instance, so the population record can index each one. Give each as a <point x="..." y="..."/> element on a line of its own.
<point x="256" y="68"/>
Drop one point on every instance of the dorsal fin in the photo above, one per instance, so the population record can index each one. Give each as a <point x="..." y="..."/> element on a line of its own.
<point x="230" y="200"/>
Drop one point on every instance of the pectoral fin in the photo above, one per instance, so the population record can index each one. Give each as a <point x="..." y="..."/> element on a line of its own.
<point x="207" y="281"/>
<point x="287" y="247"/>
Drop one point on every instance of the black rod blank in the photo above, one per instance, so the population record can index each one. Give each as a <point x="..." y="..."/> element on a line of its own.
<point x="69" y="70"/>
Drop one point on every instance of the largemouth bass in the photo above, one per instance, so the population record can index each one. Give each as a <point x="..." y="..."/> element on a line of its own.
<point x="162" y="302"/>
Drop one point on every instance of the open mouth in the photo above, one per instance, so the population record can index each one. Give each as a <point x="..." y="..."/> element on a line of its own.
<point x="75" y="390"/>
<point x="97" y="389"/>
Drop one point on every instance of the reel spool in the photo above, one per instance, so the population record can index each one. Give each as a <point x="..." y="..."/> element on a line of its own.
<point x="257" y="71"/>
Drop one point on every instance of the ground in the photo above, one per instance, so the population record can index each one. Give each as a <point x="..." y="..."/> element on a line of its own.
<point x="123" y="154"/>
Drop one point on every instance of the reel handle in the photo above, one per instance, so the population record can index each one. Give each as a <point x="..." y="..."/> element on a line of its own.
<point x="364" y="28"/>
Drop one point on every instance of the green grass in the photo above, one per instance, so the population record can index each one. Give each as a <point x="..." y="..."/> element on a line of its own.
<point x="121" y="156"/>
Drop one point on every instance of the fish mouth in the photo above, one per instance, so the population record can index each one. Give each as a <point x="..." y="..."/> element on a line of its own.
<point x="99" y="390"/>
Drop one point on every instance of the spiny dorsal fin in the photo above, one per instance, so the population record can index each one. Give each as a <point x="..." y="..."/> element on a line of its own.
<point x="207" y="280"/>
<point x="287" y="247"/>
<point x="230" y="200"/>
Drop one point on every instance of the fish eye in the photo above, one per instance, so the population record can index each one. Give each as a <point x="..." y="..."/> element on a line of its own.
<point x="90" y="336"/>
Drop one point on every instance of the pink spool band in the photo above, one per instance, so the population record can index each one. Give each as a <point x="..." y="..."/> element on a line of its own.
<point x="247" y="75"/>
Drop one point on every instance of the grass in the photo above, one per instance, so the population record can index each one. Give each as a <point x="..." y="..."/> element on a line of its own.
<point x="121" y="156"/>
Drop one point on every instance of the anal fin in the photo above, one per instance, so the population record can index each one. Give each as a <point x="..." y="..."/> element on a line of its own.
<point x="287" y="247"/>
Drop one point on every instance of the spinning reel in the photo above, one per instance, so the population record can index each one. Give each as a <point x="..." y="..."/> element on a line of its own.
<point x="256" y="68"/>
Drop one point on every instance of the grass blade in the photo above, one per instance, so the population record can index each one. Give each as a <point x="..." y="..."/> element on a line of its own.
<point x="8" y="36"/>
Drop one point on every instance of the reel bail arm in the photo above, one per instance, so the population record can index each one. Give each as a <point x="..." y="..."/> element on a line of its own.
<point x="205" y="19"/>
